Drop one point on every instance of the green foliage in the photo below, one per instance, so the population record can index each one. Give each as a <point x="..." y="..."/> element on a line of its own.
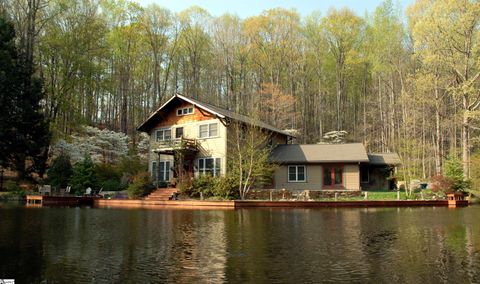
<point x="60" y="171"/>
<point x="475" y="172"/>
<point x="132" y="165"/>
<point x="226" y="187"/>
<point x="454" y="171"/>
<point x="84" y="176"/>
<point x="24" y="133"/>
<point x="141" y="186"/>
<point x="109" y="177"/>
<point x="11" y="185"/>
<point x="203" y="184"/>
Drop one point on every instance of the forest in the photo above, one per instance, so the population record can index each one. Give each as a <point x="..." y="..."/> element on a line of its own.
<point x="404" y="81"/>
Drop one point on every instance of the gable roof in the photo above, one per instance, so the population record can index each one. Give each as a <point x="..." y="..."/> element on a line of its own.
<point x="319" y="153"/>
<point x="384" y="159"/>
<point x="217" y="111"/>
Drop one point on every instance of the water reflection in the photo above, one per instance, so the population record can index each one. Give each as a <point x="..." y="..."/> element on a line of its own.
<point x="247" y="245"/>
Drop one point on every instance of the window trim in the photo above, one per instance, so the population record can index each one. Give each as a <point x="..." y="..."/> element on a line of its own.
<point x="181" y="111"/>
<point x="163" y="129"/>
<point x="332" y="174"/>
<point x="177" y="138"/>
<point x="296" y="173"/>
<point x="217" y="167"/>
<point x="208" y="130"/>
<point x="156" y="173"/>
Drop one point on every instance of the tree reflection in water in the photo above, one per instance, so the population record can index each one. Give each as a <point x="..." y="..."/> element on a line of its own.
<point x="248" y="245"/>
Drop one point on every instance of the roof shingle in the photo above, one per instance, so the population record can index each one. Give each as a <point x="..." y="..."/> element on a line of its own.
<point x="319" y="153"/>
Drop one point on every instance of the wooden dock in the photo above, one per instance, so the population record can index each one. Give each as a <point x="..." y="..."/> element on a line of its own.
<point x="48" y="200"/>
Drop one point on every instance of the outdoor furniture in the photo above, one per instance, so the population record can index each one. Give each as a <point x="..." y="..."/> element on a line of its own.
<point x="45" y="189"/>
<point x="67" y="190"/>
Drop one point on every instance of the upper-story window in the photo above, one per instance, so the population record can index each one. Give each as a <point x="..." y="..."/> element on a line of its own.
<point x="185" y="111"/>
<point x="163" y="134"/>
<point x="208" y="130"/>
<point x="178" y="132"/>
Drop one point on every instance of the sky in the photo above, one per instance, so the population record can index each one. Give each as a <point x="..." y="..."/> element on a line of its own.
<point x="247" y="8"/>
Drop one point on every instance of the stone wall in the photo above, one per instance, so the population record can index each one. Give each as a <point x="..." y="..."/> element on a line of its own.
<point x="288" y="194"/>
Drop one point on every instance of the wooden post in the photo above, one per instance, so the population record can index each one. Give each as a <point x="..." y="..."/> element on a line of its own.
<point x="201" y="195"/>
<point x="336" y="196"/>
<point x="366" y="195"/>
<point x="271" y="194"/>
<point x="398" y="194"/>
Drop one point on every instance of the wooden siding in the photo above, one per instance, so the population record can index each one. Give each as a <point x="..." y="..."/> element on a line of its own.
<point x="351" y="174"/>
<point x="351" y="178"/>
<point x="215" y="147"/>
<point x="171" y="118"/>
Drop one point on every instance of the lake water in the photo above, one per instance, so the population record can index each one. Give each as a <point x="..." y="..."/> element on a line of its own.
<point x="96" y="245"/>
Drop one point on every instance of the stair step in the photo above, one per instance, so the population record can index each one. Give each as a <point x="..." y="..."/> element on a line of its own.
<point x="162" y="194"/>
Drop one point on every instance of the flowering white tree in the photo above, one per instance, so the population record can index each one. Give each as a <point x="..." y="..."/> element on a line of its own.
<point x="143" y="146"/>
<point x="102" y="145"/>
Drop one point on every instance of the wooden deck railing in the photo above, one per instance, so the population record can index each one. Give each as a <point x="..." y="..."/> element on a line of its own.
<point x="179" y="144"/>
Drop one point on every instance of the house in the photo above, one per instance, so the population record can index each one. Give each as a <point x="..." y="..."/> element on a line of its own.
<point x="189" y="138"/>
<point x="331" y="167"/>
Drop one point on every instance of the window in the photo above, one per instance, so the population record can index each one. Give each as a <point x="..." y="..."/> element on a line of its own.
<point x="209" y="166"/>
<point x="208" y="130"/>
<point x="333" y="176"/>
<point x="364" y="175"/>
<point x="178" y="132"/>
<point x="296" y="174"/>
<point x="184" y="111"/>
<point x="161" y="173"/>
<point x="163" y="134"/>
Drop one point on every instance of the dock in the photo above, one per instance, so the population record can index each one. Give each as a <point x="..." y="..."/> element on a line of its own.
<point x="48" y="200"/>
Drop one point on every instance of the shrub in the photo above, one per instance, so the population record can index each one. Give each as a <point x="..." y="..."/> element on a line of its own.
<point x="141" y="185"/>
<point x="11" y="185"/>
<point x="226" y="187"/>
<point x="108" y="177"/>
<point x="83" y="176"/>
<point x="203" y="184"/>
<point x="442" y="184"/>
<point x="60" y="171"/>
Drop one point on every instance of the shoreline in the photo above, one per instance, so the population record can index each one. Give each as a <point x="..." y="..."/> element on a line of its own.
<point x="38" y="200"/>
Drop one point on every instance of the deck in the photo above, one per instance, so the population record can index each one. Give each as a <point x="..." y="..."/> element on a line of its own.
<point x="48" y="200"/>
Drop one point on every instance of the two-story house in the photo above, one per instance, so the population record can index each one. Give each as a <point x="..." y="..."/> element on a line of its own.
<point x="190" y="138"/>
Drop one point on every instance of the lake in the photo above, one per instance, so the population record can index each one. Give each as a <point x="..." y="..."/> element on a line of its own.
<point x="100" y="245"/>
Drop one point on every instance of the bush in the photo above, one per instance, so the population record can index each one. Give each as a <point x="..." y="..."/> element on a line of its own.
<point x="11" y="186"/>
<point x="109" y="177"/>
<point x="226" y="187"/>
<point x="84" y="176"/>
<point x="442" y="184"/>
<point x="60" y="171"/>
<point x="221" y="187"/>
<point x="203" y="184"/>
<point x="141" y="186"/>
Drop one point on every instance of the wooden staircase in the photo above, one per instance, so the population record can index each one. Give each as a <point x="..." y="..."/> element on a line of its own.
<point x="162" y="194"/>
